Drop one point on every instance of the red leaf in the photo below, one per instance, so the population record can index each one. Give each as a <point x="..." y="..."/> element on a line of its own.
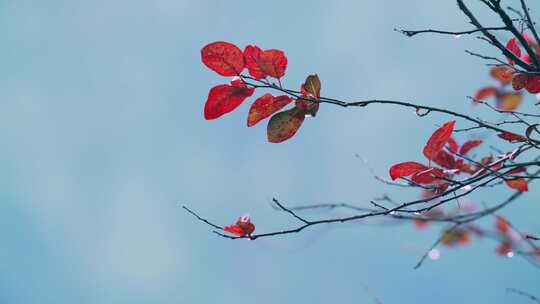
<point x="242" y="227"/>
<point x="420" y="224"/>
<point x="234" y="230"/>
<point x="252" y="54"/>
<point x="519" y="81"/>
<point x="511" y="137"/>
<point x="501" y="224"/>
<point x="457" y="236"/>
<point x="312" y="86"/>
<point x="307" y="106"/>
<point x="225" y="98"/>
<point x="519" y="184"/>
<point x="224" y="58"/>
<point x="533" y="84"/>
<point x="526" y="58"/>
<point x="441" y="188"/>
<point x="509" y="101"/>
<point x="265" y="106"/>
<point x="501" y="73"/>
<point x="406" y="169"/>
<point x="513" y="46"/>
<point x="261" y="64"/>
<point x="438" y="139"/>
<point x="311" y="92"/>
<point x="484" y="93"/>
<point x="453" y="145"/>
<point x="445" y="159"/>
<point x="516" y="170"/>
<point x="504" y="249"/>
<point x="430" y="176"/>
<point x="274" y="63"/>
<point x="467" y="146"/>
<point x="530" y="40"/>
<point x="284" y="125"/>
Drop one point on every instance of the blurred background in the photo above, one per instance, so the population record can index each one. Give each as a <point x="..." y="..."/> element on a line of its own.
<point x="103" y="140"/>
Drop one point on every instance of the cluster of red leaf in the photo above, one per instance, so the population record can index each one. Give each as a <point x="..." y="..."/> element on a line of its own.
<point x="512" y="137"/>
<point x="519" y="80"/>
<point x="456" y="236"/>
<point x="517" y="183"/>
<point x="510" y="241"/>
<point x="502" y="227"/>
<point x="508" y="99"/>
<point x="447" y="161"/>
<point x="242" y="227"/>
<point x="452" y="162"/>
<point x="227" y="59"/>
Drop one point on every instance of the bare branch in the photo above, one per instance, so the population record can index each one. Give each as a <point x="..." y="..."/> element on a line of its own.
<point x="525" y="294"/>
<point x="410" y="33"/>
<point x="289" y="211"/>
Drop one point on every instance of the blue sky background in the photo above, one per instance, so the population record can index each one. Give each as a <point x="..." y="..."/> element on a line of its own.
<point x="103" y="139"/>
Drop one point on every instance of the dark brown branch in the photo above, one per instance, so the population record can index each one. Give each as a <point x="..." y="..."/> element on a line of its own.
<point x="202" y="219"/>
<point x="531" y="237"/>
<point x="525" y="294"/>
<point x="529" y="21"/>
<point x="410" y="33"/>
<point x="289" y="211"/>
<point x="510" y="25"/>
<point x="403" y="208"/>
<point x="365" y="103"/>
<point x="494" y="41"/>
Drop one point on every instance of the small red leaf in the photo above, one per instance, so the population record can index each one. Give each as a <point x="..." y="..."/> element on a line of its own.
<point x="502" y="225"/>
<point x="242" y="227"/>
<point x="420" y="224"/>
<point x="261" y="63"/>
<point x="504" y="249"/>
<point x="274" y="63"/>
<point x="430" y="176"/>
<point x="456" y="236"/>
<point x="513" y="46"/>
<point x="519" y="81"/>
<point x="533" y="84"/>
<point x="312" y="86"/>
<point x="445" y="159"/>
<point x="509" y="101"/>
<point x="438" y="139"/>
<point x="284" y="125"/>
<point x="308" y="106"/>
<point x="501" y="73"/>
<point x="252" y="54"/>
<point x="484" y="93"/>
<point x="225" y="98"/>
<point x="453" y="145"/>
<point x="224" y="58"/>
<point x="234" y="230"/>
<point x="526" y="58"/>
<point x="406" y="169"/>
<point x="511" y="137"/>
<point x="311" y="92"/>
<point x="517" y="170"/>
<point x="265" y="106"/>
<point x="467" y="146"/>
<point x="519" y="184"/>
